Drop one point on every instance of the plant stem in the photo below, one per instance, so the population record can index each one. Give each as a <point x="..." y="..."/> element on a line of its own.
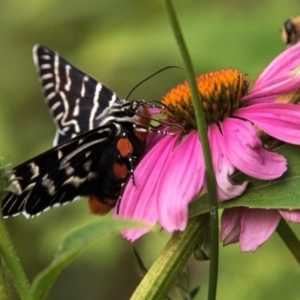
<point x="165" y="270"/>
<point x="3" y="283"/>
<point x="289" y="238"/>
<point x="13" y="265"/>
<point x="211" y="183"/>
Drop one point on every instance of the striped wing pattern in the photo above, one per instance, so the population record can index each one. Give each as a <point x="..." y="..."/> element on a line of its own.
<point x="75" y="99"/>
<point x="96" y="145"/>
<point x="54" y="177"/>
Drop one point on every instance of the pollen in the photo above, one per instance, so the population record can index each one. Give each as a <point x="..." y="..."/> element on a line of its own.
<point x="220" y="93"/>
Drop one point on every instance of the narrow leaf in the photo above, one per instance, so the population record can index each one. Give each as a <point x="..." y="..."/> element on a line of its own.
<point x="73" y="244"/>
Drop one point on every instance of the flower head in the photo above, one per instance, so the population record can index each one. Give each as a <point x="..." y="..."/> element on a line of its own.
<point x="172" y="172"/>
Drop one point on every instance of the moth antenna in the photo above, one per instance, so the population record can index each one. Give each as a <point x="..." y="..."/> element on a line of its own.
<point x="152" y="75"/>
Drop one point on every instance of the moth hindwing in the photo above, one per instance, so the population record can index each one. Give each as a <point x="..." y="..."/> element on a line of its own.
<point x="98" y="142"/>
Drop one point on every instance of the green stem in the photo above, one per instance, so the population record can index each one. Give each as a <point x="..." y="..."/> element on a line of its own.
<point x="3" y="283"/>
<point x="165" y="270"/>
<point x="202" y="127"/>
<point x="13" y="265"/>
<point x="289" y="238"/>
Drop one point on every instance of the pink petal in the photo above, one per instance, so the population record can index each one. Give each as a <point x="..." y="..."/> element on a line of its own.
<point x="180" y="182"/>
<point x="291" y="215"/>
<point x="155" y="137"/>
<point x="257" y="225"/>
<point x="273" y="90"/>
<point x="245" y="151"/>
<point x="274" y="87"/>
<point x="230" y="225"/>
<point x="154" y="110"/>
<point x="254" y="101"/>
<point x="223" y="168"/>
<point x="282" y="64"/>
<point x="279" y="120"/>
<point x="137" y="202"/>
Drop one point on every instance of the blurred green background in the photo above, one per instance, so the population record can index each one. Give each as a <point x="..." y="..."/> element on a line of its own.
<point x="120" y="43"/>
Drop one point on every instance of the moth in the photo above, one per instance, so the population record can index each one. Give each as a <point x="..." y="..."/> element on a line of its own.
<point x="99" y="140"/>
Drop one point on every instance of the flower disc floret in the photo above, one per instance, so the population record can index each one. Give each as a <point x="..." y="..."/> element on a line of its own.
<point x="220" y="92"/>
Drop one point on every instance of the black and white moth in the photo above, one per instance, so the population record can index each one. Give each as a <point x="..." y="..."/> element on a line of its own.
<point x="99" y="140"/>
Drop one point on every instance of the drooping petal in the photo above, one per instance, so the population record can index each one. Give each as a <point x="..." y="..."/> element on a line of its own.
<point x="137" y="202"/>
<point x="231" y="225"/>
<point x="180" y="182"/>
<point x="282" y="64"/>
<point x="279" y="120"/>
<point x="245" y="151"/>
<point x="257" y="225"/>
<point x="291" y="215"/>
<point x="223" y="168"/>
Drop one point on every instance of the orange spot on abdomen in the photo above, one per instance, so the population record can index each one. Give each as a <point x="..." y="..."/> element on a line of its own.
<point x="120" y="170"/>
<point x="99" y="207"/>
<point x="125" y="147"/>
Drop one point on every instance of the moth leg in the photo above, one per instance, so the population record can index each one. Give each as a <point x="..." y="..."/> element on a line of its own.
<point x="120" y="198"/>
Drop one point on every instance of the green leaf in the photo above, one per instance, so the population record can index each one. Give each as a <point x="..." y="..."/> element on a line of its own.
<point x="75" y="242"/>
<point x="282" y="193"/>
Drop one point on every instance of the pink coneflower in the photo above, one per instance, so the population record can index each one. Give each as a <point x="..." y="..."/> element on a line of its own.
<point x="172" y="172"/>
